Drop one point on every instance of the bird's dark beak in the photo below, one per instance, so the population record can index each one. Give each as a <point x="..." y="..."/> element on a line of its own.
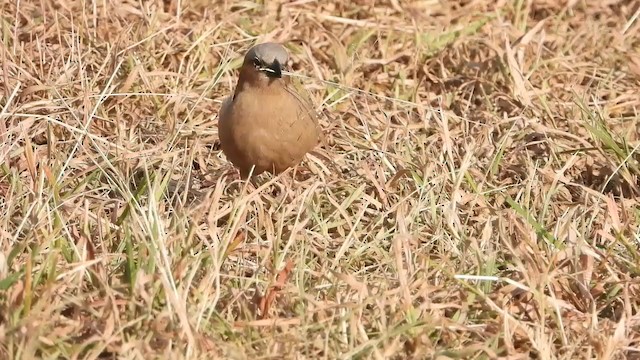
<point x="274" y="70"/>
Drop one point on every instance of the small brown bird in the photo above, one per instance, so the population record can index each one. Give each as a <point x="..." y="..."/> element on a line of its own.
<point x="266" y="124"/>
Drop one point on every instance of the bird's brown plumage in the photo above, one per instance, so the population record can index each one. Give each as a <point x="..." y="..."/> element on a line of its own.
<point x="266" y="123"/>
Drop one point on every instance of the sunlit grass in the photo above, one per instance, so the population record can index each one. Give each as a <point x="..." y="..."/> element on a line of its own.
<point x="475" y="196"/>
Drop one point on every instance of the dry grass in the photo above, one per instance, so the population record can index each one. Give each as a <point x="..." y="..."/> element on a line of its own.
<point x="477" y="197"/>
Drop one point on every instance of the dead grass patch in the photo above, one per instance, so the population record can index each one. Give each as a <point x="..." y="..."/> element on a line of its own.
<point x="477" y="197"/>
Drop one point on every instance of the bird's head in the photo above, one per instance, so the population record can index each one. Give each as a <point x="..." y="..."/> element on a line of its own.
<point x="265" y="62"/>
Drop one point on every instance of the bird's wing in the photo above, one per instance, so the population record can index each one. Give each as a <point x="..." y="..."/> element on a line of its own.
<point x="301" y="94"/>
<point x="295" y="88"/>
<point x="224" y="108"/>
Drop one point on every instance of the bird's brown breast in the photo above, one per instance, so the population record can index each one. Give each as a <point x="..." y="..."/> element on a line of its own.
<point x="270" y="127"/>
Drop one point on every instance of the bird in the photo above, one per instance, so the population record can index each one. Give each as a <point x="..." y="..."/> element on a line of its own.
<point x="266" y="125"/>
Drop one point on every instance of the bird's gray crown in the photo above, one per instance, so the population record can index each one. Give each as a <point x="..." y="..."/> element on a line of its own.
<point x="267" y="53"/>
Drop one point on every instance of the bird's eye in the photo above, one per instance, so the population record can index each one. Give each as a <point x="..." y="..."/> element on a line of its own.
<point x="256" y="62"/>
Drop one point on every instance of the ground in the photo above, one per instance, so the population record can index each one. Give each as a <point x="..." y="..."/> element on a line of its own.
<point x="476" y="196"/>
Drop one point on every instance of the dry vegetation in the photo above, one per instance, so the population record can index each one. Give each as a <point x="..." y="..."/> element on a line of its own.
<point x="477" y="197"/>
